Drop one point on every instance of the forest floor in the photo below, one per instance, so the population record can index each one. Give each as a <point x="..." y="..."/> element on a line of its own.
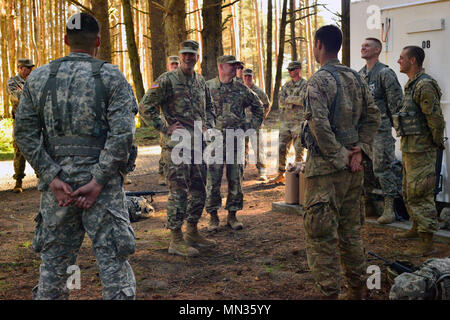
<point x="265" y="260"/>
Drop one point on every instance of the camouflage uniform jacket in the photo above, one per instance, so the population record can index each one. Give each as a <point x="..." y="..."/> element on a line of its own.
<point x="320" y="94"/>
<point x="385" y="89"/>
<point x="75" y="90"/>
<point x="292" y="94"/>
<point x="231" y="100"/>
<point x="263" y="97"/>
<point x="15" y="87"/>
<point x="427" y="96"/>
<point x="173" y="97"/>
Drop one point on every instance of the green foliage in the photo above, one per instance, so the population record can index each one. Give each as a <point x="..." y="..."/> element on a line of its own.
<point x="6" y="147"/>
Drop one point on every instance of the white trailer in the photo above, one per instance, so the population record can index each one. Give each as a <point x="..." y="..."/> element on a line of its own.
<point x="398" y="24"/>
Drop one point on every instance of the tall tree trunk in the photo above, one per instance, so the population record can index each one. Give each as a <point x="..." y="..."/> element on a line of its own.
<point x="259" y="41"/>
<point x="345" y="24"/>
<point x="280" y="56"/>
<point x="269" y="50"/>
<point x="276" y="29"/>
<point x="132" y="50"/>
<point x="232" y="34"/>
<point x="12" y="35"/>
<point x="100" y="9"/>
<point x="159" y="55"/>
<point x="34" y="34"/>
<point x="212" y="37"/>
<point x="4" y="60"/>
<point x="175" y="25"/>
<point x="293" y="42"/>
<point x="198" y="32"/>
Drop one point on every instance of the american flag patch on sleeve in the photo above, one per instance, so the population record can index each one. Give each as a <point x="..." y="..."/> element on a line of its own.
<point x="154" y="86"/>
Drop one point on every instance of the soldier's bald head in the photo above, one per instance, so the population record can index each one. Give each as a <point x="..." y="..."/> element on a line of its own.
<point x="82" y="31"/>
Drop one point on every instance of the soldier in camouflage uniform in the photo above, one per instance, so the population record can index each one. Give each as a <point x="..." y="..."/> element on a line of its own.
<point x="260" y="164"/>
<point x="15" y="87"/>
<point x="75" y="125"/>
<point x="174" y="101"/>
<point x="341" y="121"/>
<point x="420" y="124"/>
<point x="239" y="71"/>
<point x="172" y="64"/>
<point x="231" y="98"/>
<point x="291" y="114"/>
<point x="387" y="93"/>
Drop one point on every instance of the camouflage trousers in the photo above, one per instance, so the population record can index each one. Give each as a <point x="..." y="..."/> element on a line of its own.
<point x="161" y="159"/>
<point x="235" y="196"/>
<point x="258" y="150"/>
<point x="419" y="177"/>
<point x="187" y="192"/>
<point x="60" y="232"/>
<point x="380" y="173"/>
<point x="333" y="230"/>
<point x="289" y="135"/>
<point x="19" y="162"/>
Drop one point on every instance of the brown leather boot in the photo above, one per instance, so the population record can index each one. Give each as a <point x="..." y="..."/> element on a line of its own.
<point x="423" y="248"/>
<point x="279" y="178"/>
<point x="194" y="239"/>
<point x="18" y="187"/>
<point x="179" y="247"/>
<point x="213" y="221"/>
<point x="408" y="235"/>
<point x="388" y="213"/>
<point x="233" y="222"/>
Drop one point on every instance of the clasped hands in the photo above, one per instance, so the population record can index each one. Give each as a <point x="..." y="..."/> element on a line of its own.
<point x="354" y="159"/>
<point x="84" y="197"/>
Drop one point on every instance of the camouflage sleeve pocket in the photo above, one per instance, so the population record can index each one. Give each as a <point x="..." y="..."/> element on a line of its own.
<point x="38" y="240"/>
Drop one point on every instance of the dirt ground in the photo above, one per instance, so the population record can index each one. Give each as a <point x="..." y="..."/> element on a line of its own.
<point x="265" y="260"/>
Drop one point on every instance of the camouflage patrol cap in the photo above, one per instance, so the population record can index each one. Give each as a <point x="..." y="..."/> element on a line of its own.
<point x="248" y="72"/>
<point x="189" y="46"/>
<point x="227" y="59"/>
<point x="173" y="59"/>
<point x="294" y="65"/>
<point x="25" y="63"/>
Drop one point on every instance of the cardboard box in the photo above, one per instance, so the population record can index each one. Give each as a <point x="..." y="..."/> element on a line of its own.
<point x="291" y="188"/>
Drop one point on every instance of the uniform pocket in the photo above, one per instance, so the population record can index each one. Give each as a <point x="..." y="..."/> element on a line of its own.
<point x="39" y="238"/>
<point x="423" y="187"/>
<point x="123" y="238"/>
<point x="319" y="220"/>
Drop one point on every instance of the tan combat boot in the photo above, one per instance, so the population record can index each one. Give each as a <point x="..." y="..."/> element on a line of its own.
<point x="388" y="213"/>
<point x="423" y="248"/>
<point x="233" y="222"/>
<point x="353" y="293"/>
<point x="193" y="238"/>
<point x="408" y="235"/>
<point x="179" y="247"/>
<point x="18" y="186"/>
<point x="213" y="221"/>
<point x="161" y="180"/>
<point x="279" y="178"/>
